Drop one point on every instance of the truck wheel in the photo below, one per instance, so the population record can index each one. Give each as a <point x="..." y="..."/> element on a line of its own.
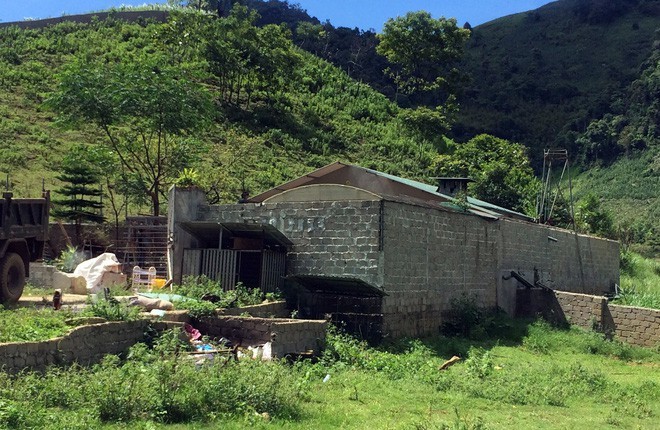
<point x="12" y="278"/>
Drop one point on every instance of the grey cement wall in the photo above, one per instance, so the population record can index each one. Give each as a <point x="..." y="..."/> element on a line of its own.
<point x="88" y="344"/>
<point x="423" y="257"/>
<point x="563" y="261"/>
<point x="264" y="310"/>
<point x="329" y="238"/>
<point x="185" y="204"/>
<point x="432" y="256"/>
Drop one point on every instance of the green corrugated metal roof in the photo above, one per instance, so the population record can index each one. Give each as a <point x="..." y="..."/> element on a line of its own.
<point x="481" y="205"/>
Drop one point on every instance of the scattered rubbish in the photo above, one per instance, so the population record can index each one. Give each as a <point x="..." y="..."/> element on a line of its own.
<point x="261" y="352"/>
<point x="157" y="312"/>
<point x="158" y="283"/>
<point x="162" y="296"/>
<point x="149" y="304"/>
<point x="455" y="359"/>
<point x="204" y="347"/>
<point x="326" y="378"/>
<point x="192" y="332"/>
<point x="142" y="278"/>
<point x="57" y="300"/>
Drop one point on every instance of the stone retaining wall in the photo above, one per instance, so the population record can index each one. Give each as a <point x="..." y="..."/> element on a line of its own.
<point x="265" y="310"/>
<point x="637" y="326"/>
<point x="83" y="345"/>
<point x="287" y="336"/>
<point x="87" y="345"/>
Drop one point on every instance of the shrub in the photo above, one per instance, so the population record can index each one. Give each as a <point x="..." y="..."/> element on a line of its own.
<point x="203" y="288"/>
<point x="69" y="259"/>
<point x="112" y="310"/>
<point x="479" y="363"/>
<point x="464" y="318"/>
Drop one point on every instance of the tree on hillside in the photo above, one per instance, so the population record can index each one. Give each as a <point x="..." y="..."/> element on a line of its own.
<point x="592" y="218"/>
<point x="500" y="169"/>
<point x="81" y="192"/>
<point x="248" y="61"/>
<point x="422" y="50"/>
<point x="148" y="112"/>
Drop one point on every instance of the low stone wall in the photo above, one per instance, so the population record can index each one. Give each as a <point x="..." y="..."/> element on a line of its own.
<point x="265" y="310"/>
<point x="83" y="345"/>
<point x="637" y="326"/>
<point x="88" y="344"/>
<point x="581" y="309"/>
<point x="287" y="336"/>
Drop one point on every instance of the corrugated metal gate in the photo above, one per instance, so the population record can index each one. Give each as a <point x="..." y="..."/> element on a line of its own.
<point x="224" y="265"/>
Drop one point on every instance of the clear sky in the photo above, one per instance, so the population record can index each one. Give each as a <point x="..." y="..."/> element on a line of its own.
<point x="364" y="14"/>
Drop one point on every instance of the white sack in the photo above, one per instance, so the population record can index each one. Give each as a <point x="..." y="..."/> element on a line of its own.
<point x="93" y="270"/>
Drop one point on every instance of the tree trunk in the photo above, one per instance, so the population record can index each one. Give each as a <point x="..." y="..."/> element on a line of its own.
<point x="155" y="202"/>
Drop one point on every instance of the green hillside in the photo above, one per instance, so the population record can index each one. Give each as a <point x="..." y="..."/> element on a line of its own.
<point x="285" y="113"/>
<point x="540" y="77"/>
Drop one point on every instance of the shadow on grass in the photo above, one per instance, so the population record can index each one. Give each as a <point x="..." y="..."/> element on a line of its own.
<point x="496" y="329"/>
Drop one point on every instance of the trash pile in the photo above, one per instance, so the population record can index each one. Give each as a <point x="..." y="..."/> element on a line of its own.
<point x="205" y="350"/>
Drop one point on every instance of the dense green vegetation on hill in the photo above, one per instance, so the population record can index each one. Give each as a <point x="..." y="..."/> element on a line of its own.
<point x="271" y="121"/>
<point x="238" y="105"/>
<point x="541" y="77"/>
<point x="580" y="74"/>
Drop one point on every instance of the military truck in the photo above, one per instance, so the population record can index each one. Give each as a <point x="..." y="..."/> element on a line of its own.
<point x="23" y="234"/>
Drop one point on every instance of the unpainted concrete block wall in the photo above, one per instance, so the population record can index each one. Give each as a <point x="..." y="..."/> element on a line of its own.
<point x="330" y="238"/>
<point x="264" y="310"/>
<point x="431" y="257"/>
<point x="563" y="261"/>
<point x="424" y="257"/>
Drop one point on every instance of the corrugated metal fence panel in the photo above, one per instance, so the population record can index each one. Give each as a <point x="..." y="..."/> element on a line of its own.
<point x="273" y="268"/>
<point x="220" y="265"/>
<point x="192" y="259"/>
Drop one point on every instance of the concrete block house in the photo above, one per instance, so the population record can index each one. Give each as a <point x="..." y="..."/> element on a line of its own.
<point x="382" y="254"/>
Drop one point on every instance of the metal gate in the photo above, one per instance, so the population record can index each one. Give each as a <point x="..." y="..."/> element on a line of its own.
<point x="222" y="265"/>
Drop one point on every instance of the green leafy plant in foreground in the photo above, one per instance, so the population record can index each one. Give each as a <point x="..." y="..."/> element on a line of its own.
<point x="112" y="309"/>
<point x="203" y="288"/>
<point x="30" y="324"/>
<point x="157" y="385"/>
<point x="69" y="259"/>
<point x="640" y="281"/>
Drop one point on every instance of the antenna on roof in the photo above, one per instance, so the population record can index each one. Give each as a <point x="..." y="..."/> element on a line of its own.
<point x="551" y="195"/>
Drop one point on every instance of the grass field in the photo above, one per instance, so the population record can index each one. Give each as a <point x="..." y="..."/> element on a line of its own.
<point x="640" y="281"/>
<point x="523" y="376"/>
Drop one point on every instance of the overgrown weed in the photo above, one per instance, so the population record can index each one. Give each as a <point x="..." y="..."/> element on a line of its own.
<point x="158" y="384"/>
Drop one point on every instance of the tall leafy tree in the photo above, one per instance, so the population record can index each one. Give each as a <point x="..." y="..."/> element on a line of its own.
<point x="501" y="171"/>
<point x="148" y="112"/>
<point x="422" y="50"/>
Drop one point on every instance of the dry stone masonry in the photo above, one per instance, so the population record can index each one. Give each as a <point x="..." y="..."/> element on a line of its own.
<point x="633" y="325"/>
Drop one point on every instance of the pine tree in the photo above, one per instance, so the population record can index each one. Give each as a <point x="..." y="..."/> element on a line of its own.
<point x="81" y="193"/>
